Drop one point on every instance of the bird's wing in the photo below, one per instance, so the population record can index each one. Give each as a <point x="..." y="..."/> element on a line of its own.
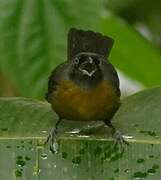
<point x="54" y="79"/>
<point x="111" y="75"/>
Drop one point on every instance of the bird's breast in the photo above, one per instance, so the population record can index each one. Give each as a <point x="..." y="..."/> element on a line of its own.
<point x="74" y="103"/>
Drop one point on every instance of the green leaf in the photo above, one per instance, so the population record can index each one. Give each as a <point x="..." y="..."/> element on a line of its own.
<point x="34" y="35"/>
<point x="119" y="6"/>
<point x="143" y="15"/>
<point x="33" y="41"/>
<point x="132" y="54"/>
<point x="25" y="124"/>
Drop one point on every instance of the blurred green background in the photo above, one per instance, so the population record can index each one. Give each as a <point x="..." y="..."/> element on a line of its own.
<point x="33" y="35"/>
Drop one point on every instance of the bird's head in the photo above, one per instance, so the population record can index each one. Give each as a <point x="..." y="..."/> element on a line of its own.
<point x="86" y="69"/>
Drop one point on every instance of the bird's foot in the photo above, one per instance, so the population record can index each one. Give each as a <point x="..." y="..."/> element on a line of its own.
<point x="54" y="140"/>
<point x="54" y="147"/>
<point x="119" y="138"/>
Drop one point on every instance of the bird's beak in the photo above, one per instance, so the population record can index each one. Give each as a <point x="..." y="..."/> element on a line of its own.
<point x="85" y="72"/>
<point x="88" y="67"/>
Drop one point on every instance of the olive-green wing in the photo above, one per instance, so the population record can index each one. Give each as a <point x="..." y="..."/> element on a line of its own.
<point x="110" y="74"/>
<point x="54" y="79"/>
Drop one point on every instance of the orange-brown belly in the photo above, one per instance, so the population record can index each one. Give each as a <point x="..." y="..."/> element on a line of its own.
<point x="73" y="103"/>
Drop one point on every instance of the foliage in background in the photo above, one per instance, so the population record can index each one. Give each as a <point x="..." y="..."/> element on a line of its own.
<point x="143" y="15"/>
<point x="33" y="38"/>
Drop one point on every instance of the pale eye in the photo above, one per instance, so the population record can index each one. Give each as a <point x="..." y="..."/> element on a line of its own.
<point x="90" y="59"/>
<point x="76" y="60"/>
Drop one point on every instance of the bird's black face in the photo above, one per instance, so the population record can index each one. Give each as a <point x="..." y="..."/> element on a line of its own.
<point x="86" y="69"/>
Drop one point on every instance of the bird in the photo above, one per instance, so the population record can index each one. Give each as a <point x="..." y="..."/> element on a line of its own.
<point x="86" y="86"/>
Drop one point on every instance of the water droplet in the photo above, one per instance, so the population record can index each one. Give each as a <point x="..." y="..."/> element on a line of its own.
<point x="140" y="160"/>
<point x="44" y="156"/>
<point x="74" y="131"/>
<point x="151" y="171"/>
<point x="126" y="170"/>
<point x="18" y="173"/>
<point x="139" y="175"/>
<point x="44" y="132"/>
<point x="54" y="165"/>
<point x="83" y="136"/>
<point x="127" y="137"/>
<point x="151" y="156"/>
<point x="20" y="162"/>
<point x="27" y="158"/>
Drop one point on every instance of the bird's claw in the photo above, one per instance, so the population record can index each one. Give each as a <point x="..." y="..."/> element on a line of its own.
<point x="54" y="142"/>
<point x="119" y="138"/>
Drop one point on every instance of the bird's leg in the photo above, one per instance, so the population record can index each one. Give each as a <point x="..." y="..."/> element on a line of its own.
<point x="53" y="135"/>
<point x="116" y="134"/>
